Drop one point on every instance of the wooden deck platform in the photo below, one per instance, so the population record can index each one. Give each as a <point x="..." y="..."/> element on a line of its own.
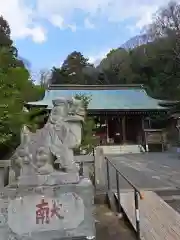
<point x="158" y="221"/>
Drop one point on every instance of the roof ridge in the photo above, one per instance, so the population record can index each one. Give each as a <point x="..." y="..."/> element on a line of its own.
<point x="93" y="87"/>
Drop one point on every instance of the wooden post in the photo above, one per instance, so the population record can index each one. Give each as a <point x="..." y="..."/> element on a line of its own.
<point x="146" y="141"/>
<point x="142" y="120"/>
<point x="107" y="129"/>
<point x="142" y="131"/>
<point x="124" y="129"/>
<point x="162" y="142"/>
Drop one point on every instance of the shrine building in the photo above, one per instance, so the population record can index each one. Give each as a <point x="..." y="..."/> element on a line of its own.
<point x="121" y="112"/>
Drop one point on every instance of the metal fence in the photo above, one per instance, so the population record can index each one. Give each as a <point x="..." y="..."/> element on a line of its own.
<point x="137" y="193"/>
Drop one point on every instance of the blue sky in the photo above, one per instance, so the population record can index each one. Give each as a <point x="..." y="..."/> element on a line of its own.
<point x="46" y="31"/>
<point x="60" y="43"/>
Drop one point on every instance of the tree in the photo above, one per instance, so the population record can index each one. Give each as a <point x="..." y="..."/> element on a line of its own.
<point x="88" y="139"/>
<point x="71" y="71"/>
<point x="59" y="77"/>
<point x="25" y="62"/>
<point x="16" y="88"/>
<point x="10" y="103"/>
<point x="45" y="78"/>
<point x="166" y="22"/>
<point x="153" y="65"/>
<point x="74" y="62"/>
<point x="5" y="33"/>
<point x="165" y="32"/>
<point x="5" y="40"/>
<point x="117" y="67"/>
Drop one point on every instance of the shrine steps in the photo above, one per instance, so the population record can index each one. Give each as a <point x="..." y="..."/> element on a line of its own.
<point x="122" y="149"/>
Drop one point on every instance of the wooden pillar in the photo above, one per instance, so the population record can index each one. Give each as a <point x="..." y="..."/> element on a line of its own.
<point x="107" y="129"/>
<point x="146" y="141"/>
<point x="142" y="121"/>
<point x="142" y="131"/>
<point x="149" y="123"/>
<point x="124" y="129"/>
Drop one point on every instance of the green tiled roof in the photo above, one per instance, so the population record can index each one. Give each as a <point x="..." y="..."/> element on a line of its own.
<point x="109" y="99"/>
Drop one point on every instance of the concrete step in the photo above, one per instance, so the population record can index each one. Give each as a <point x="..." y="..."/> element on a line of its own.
<point x="175" y="204"/>
<point x="130" y="149"/>
<point x="169" y="195"/>
<point x="122" y="149"/>
<point x="111" y="149"/>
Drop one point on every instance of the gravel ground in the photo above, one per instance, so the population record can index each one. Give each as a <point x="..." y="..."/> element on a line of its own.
<point x="109" y="227"/>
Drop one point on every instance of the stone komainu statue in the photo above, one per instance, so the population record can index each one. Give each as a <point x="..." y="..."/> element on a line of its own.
<point x="53" y="144"/>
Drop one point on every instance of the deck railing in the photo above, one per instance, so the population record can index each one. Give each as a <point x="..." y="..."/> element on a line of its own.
<point x="137" y="192"/>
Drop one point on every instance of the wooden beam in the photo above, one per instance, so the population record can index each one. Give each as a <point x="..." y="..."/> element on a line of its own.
<point x="93" y="87"/>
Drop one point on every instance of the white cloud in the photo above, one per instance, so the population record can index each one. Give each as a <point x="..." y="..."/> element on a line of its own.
<point x="57" y="21"/>
<point x="113" y="10"/>
<point x="97" y="57"/>
<point x="20" y="18"/>
<point x="26" y="20"/>
<point x="72" y="26"/>
<point x="38" y="34"/>
<point x="88" y="24"/>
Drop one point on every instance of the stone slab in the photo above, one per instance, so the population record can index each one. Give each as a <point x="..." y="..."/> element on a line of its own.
<point x="48" y="212"/>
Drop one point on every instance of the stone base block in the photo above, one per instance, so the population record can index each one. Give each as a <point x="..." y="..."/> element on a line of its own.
<point x="47" y="212"/>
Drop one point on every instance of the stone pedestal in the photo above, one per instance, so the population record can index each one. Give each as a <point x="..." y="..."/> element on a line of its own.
<point x="47" y="212"/>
